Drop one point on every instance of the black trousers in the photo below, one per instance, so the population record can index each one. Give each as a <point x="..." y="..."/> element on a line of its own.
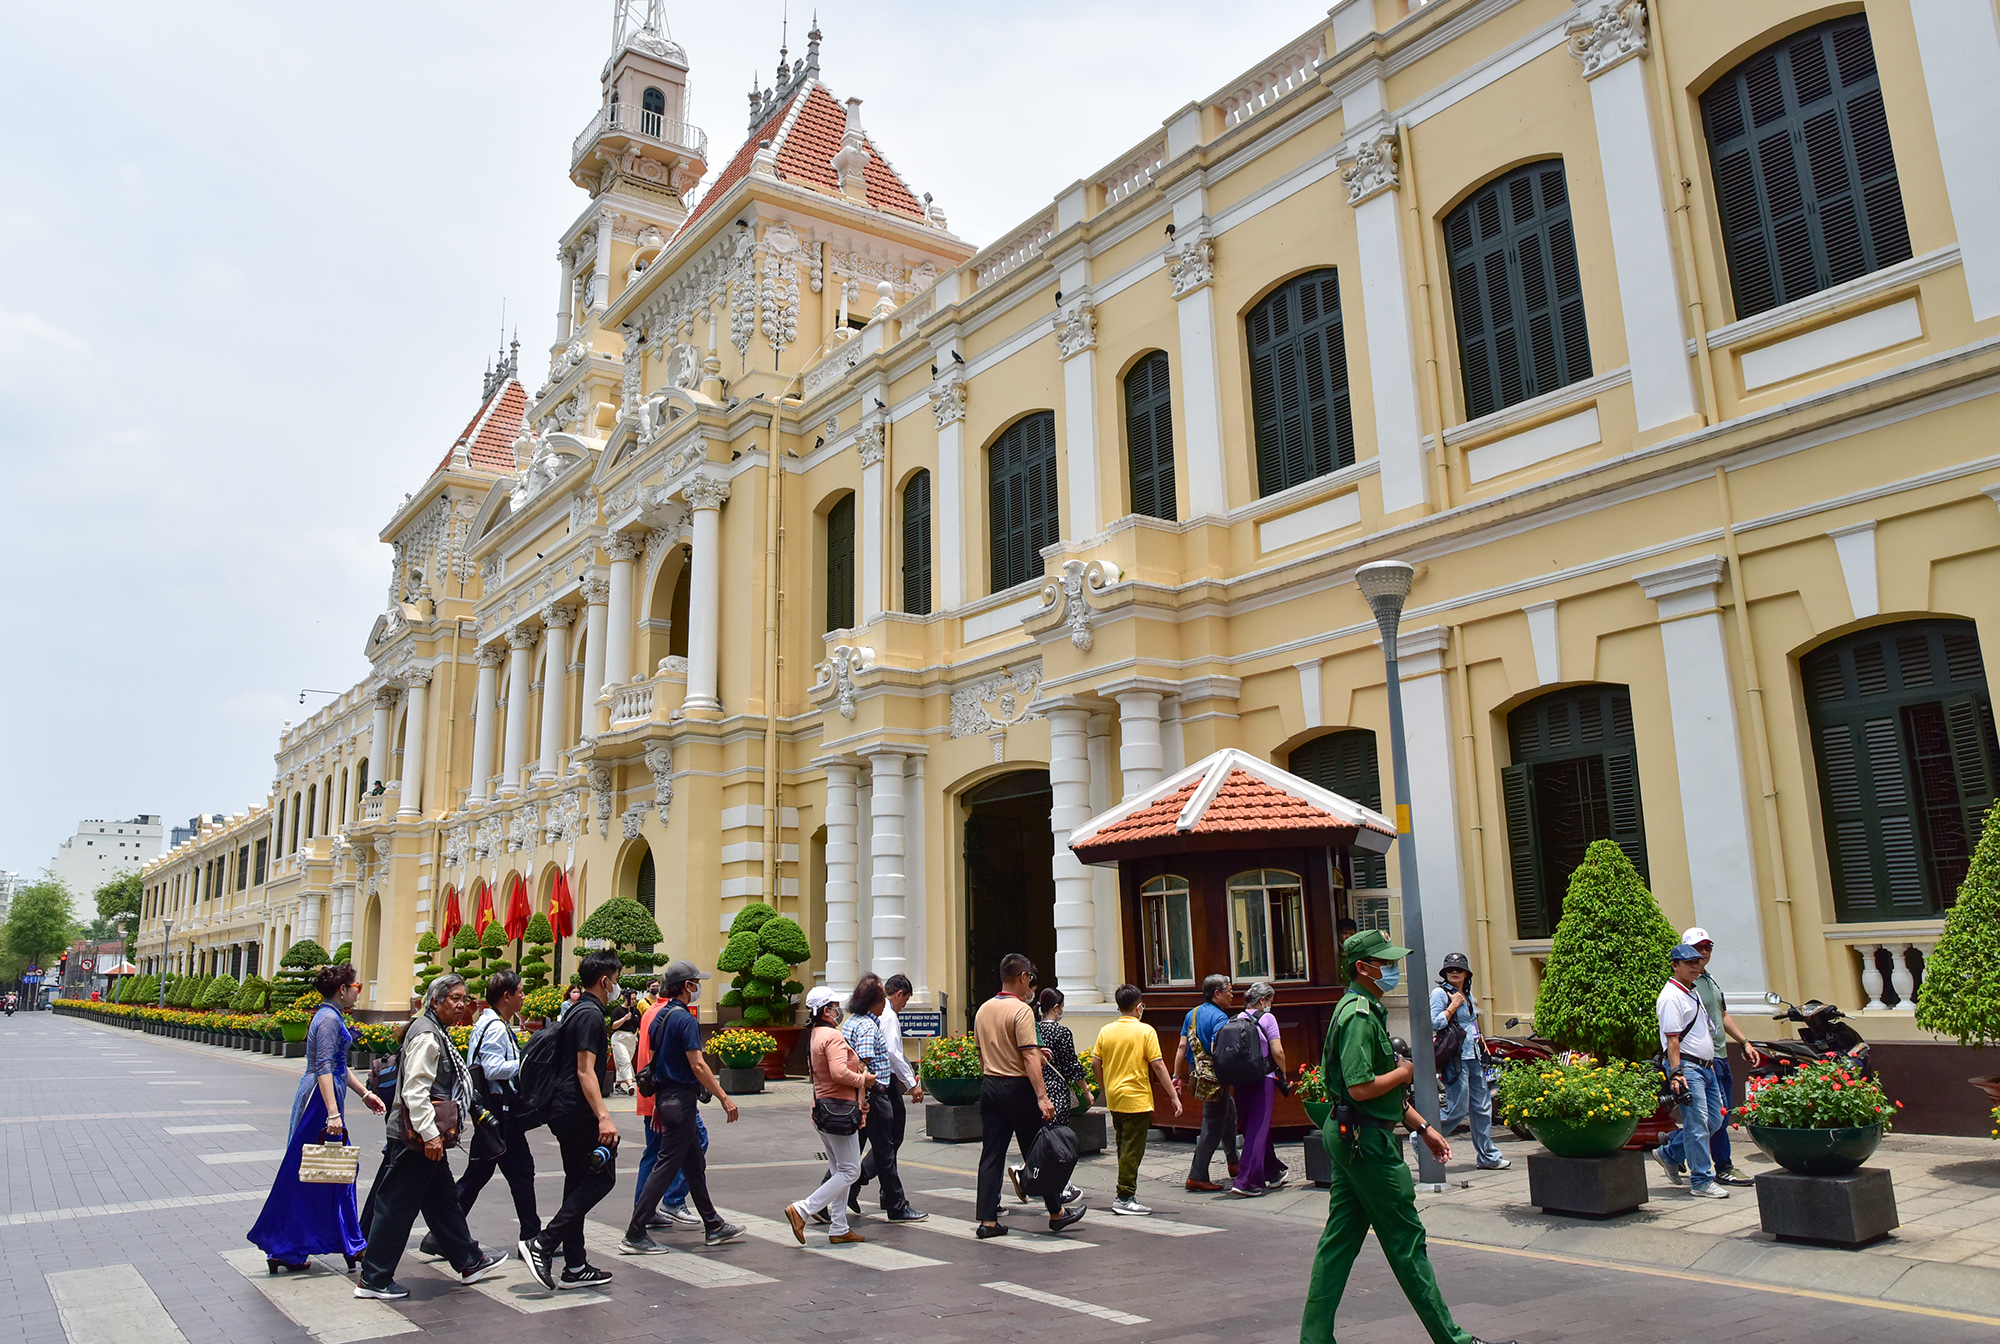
<point x="678" y="1152"/>
<point x="410" y="1184"/>
<point x="517" y="1164"/>
<point x="884" y="1136"/>
<point x="1007" y="1114"/>
<point x="576" y="1135"/>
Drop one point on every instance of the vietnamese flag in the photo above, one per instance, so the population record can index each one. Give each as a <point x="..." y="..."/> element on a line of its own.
<point x="452" y="921"/>
<point x="484" y="914"/>
<point x="518" y="912"/>
<point x="561" y="907"/>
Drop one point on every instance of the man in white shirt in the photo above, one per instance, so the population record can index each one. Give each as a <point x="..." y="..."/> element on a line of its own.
<point x="1690" y="1048"/>
<point x="902" y="1079"/>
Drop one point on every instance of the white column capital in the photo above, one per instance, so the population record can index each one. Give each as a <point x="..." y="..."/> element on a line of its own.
<point x="596" y="592"/>
<point x="523" y="637"/>
<point x="1191" y="259"/>
<point x="1373" y="165"/>
<point x="1604" y="34"/>
<point x="705" y="493"/>
<point x="491" y="655"/>
<point x="623" y="547"/>
<point x="1684" y="589"/>
<point x="1076" y="327"/>
<point x="555" y="616"/>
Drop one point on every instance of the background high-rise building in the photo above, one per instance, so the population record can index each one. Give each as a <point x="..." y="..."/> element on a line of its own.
<point x="101" y="850"/>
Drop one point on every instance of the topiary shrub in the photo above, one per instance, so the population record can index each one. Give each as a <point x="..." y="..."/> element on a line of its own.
<point x="1960" y="995"/>
<point x="296" y="967"/>
<point x="492" y="948"/>
<point x="738" y="955"/>
<point x="751" y="918"/>
<point x="427" y="967"/>
<point x="624" y="923"/>
<point x="540" y="939"/>
<point x="251" y="997"/>
<point x="465" y="949"/>
<point x="218" y="992"/>
<point x="341" y="955"/>
<point x="1607" y="963"/>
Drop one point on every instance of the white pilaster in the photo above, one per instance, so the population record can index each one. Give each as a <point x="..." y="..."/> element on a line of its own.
<point x="915" y="947"/>
<point x="843" y="929"/>
<point x="596" y="593"/>
<point x="1191" y="271"/>
<point x="600" y="278"/>
<point x="1372" y="178"/>
<point x="1959" y="45"/>
<point x="1312" y="698"/>
<point x="418" y="681"/>
<point x="520" y="675"/>
<point x="1715" y="793"/>
<point x="1421" y="666"/>
<point x="1075" y="912"/>
<point x="486" y="715"/>
<point x="555" y="688"/>
<point x="869" y="517"/>
<point x="887" y="887"/>
<point x="705" y="494"/>
<point x="1103" y="880"/>
<point x="622" y="550"/>
<point x="948" y="399"/>
<point x="381" y="742"/>
<point x="1648" y="287"/>
<point x="1076" y="337"/>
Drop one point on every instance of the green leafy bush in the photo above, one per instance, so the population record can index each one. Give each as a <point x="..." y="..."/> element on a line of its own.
<point x="427" y="967"/>
<point x="218" y="992"/>
<point x="784" y="939"/>
<point x="950" y="1057"/>
<point x="1960" y="995"/>
<point x="751" y="918"/>
<point x="492" y="948"/>
<point x="624" y="922"/>
<point x="738" y="954"/>
<point x="756" y="1015"/>
<point x="768" y="967"/>
<point x="251" y="996"/>
<point x="341" y="955"/>
<point x="1826" y="1095"/>
<point x="464" y="949"/>
<point x="1607" y="963"/>
<point x="732" y="999"/>
<point x="1577" y="1088"/>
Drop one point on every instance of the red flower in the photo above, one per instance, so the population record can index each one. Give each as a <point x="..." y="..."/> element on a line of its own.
<point x="1836" y="1087"/>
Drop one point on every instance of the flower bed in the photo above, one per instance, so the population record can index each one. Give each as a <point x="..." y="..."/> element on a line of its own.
<point x="950" y="1069"/>
<point x="1575" y="1087"/>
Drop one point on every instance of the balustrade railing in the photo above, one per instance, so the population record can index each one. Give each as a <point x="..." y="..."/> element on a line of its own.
<point x="654" y="126"/>
<point x="632" y="703"/>
<point x="371" y="808"/>
<point x="1016" y="251"/>
<point x="1891" y="965"/>
<point x="1288" y="73"/>
<point x="1135" y="174"/>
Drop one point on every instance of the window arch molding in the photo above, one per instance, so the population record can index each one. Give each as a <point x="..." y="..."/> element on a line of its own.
<point x="1023" y="497"/>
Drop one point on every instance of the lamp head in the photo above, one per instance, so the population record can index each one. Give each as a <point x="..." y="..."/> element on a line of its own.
<point x="1385" y="584"/>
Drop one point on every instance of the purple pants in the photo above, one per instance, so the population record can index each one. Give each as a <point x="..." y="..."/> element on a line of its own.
<point x="1254" y="1103"/>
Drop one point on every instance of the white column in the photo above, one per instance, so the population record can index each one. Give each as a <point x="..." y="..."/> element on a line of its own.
<point x="869" y="518"/>
<point x="843" y="892"/>
<point x="596" y="592"/>
<point x="948" y="498"/>
<point x="705" y="494"/>
<point x="1191" y="271"/>
<point x="555" y="688"/>
<point x="1648" y="289"/>
<point x="1372" y="178"/>
<point x="520" y="673"/>
<point x="1139" y="756"/>
<point x="485" y="708"/>
<point x="1075" y="913"/>
<point x="1420" y="665"/>
<point x="381" y="743"/>
<point x="1708" y="753"/>
<point x="416" y="724"/>
<point x="1076" y="340"/>
<point x="914" y="930"/>
<point x="1104" y="880"/>
<point x="600" y="278"/>
<point x="1960" y="49"/>
<point x="623" y="550"/>
<point x="564" y="301"/>
<point x="888" y="889"/>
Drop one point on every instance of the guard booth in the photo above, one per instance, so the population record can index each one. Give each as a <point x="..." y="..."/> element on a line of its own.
<point x="1236" y="867"/>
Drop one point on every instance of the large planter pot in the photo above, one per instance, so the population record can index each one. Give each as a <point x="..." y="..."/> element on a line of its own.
<point x="1317" y="1112"/>
<point x="952" y="1091"/>
<point x="774" y="1063"/>
<point x="741" y="1082"/>
<point x="294" y="1031"/>
<point x="1817" y="1152"/>
<point x="1582" y="1138"/>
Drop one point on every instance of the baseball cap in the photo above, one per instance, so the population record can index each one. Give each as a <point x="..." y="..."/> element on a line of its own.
<point x="820" y="998"/>
<point x="1696" y="936"/>
<point x="1682" y="952"/>
<point x="1374" y="945"/>
<point x="678" y="971"/>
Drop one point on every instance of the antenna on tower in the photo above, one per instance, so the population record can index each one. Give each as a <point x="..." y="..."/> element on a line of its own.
<point x="636" y="16"/>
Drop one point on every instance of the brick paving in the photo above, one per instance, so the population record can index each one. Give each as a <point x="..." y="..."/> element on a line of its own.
<point x="67" y="1163"/>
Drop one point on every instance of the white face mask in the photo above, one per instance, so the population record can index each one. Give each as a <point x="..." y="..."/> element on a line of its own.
<point x="694" y="992"/>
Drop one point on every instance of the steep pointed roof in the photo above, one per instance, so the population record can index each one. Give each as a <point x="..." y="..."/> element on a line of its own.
<point x="488" y="438"/>
<point x="805" y="134"/>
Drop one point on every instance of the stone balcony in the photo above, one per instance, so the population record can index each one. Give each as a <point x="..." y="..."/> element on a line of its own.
<point x="615" y="126"/>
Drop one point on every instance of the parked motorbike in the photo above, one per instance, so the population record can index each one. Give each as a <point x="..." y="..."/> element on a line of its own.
<point x="1823" y="1031"/>
<point x="1504" y="1050"/>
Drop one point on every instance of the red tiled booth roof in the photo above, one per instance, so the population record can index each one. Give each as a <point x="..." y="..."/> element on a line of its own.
<point x="1230" y="801"/>
<point x="488" y="438"/>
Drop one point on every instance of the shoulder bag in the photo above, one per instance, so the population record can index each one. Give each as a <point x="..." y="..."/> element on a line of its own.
<point x="1201" y="1066"/>
<point x="833" y="1115"/>
<point x="329" y="1163"/>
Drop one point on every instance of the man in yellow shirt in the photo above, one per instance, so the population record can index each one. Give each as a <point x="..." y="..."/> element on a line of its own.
<point x="1128" y="1066"/>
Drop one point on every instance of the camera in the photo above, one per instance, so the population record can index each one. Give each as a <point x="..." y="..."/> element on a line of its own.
<point x="483" y="1117"/>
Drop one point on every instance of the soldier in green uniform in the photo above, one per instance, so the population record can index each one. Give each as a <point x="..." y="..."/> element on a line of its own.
<point x="1372" y="1186"/>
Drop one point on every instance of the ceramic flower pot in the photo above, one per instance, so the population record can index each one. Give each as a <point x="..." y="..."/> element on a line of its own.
<point x="294" y="1031"/>
<point x="1582" y="1138"/>
<point x="952" y="1091"/>
<point x="1317" y="1112"/>
<point x="1817" y="1152"/>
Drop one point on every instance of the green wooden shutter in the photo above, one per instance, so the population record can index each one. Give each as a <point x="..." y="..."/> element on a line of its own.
<point x="642" y="890"/>
<point x="1300" y="400"/>
<point x="1517" y="289"/>
<point x="1805" y="175"/>
<point x="1149" y="433"/>
<point x="1969" y="721"/>
<point x="840" y="564"/>
<point x="1346" y="763"/>
<point x="1023" y="501"/>
<point x="1531" y="912"/>
<point x="917" y="545"/>
<point x="1628" y="819"/>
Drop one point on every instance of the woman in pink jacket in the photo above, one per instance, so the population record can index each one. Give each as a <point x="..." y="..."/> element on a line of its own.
<point x="840" y="1109"/>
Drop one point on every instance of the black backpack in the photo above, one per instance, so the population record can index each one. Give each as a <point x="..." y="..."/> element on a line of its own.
<point x="548" y="1072"/>
<point x="1238" y="1052"/>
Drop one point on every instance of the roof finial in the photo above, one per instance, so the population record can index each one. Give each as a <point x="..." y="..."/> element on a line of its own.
<point x="812" y="48"/>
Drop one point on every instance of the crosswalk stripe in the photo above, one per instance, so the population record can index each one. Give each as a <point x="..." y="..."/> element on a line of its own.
<point x="1155" y="1226"/>
<point x="512" y="1285"/>
<point x="702" y="1270"/>
<point x="1016" y="1239"/>
<point x="135" y="1206"/>
<point x="870" y="1255"/>
<point x="209" y="1129"/>
<point x="160" y="1071"/>
<point x="1066" y="1303"/>
<point x="110" y="1305"/>
<point x="320" y="1302"/>
<point x="173" y="1082"/>
<point x="238" y="1159"/>
<point x="213" y="1101"/>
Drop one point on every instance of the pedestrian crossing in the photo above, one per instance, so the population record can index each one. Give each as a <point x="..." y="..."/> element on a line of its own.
<point x="869" y="1254"/>
<point x="321" y="1301"/>
<point x="697" y="1269"/>
<point x="111" y="1304"/>
<point x="1155" y="1226"/>
<point x="511" y="1284"/>
<point x="241" y="1159"/>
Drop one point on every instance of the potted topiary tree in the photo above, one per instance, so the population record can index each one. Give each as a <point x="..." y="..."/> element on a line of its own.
<point x="624" y="923"/>
<point x="341" y="955"/>
<point x="492" y="949"/>
<point x="763" y="948"/>
<point x="296" y="967"/>
<point x="540" y="939"/>
<point x="1960" y="995"/>
<point x="427" y="967"/>
<point x="465" y="950"/>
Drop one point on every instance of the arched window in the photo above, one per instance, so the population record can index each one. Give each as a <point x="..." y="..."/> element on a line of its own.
<point x="1515" y="286"/>
<point x="361" y="780"/>
<point x="1149" y="437"/>
<point x="1575" y="779"/>
<point x="1298" y="383"/>
<point x="653" y="111"/>
<point x="1805" y="176"/>
<point x="1267" y="926"/>
<point x="1902" y="731"/>
<point x="1345" y="762"/>
<point x="1163" y="908"/>
<point x="1021" y="490"/>
<point x="297" y="802"/>
<point x="840" y="564"/>
<point x="917" y="545"/>
<point x="642" y="890"/>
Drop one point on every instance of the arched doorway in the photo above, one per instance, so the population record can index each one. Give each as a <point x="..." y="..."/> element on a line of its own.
<point x="1010" y="887"/>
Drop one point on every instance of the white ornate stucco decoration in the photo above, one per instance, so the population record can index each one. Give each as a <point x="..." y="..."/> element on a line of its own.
<point x="1068" y="589"/>
<point x="660" y="762"/>
<point x="996" y="701"/>
<point x="1606" y="33"/>
<point x="706" y="492"/>
<point x="872" y="441"/>
<point x="1076" y="328"/>
<point x="634" y="820"/>
<point x="1191" y="260"/>
<point x="486" y="839"/>
<point x="600" y="792"/>
<point x="1374" y="168"/>
<point x="948" y="395"/>
<point x="456" y="841"/>
<point x="521" y="831"/>
<point x="842" y="666"/>
<point x="694" y="450"/>
<point x="564" y="820"/>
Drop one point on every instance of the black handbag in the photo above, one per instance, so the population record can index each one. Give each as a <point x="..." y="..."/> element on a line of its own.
<point x="833" y="1115"/>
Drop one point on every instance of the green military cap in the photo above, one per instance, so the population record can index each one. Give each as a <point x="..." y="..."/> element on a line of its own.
<point x="1374" y="945"/>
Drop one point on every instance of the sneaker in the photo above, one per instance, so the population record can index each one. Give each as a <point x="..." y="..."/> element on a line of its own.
<point x="1071" y="1194"/>
<point x="906" y="1214"/>
<point x="1708" y="1192"/>
<point x="486" y="1265"/>
<point x="641" y="1246"/>
<point x="538" y="1261"/>
<point x="1130" y="1207"/>
<point x="1014" y="1174"/>
<point x="1735" y="1176"/>
<point x="722" y="1236"/>
<point x="1676" y="1173"/>
<point x="584" y="1276"/>
<point x="824" y="1217"/>
<point x="1500" y="1165"/>
<point x="388" y="1292"/>
<point x="680" y="1215"/>
<point x="1278" y="1184"/>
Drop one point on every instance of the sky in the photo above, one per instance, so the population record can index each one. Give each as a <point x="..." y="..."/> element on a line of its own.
<point x="254" y="258"/>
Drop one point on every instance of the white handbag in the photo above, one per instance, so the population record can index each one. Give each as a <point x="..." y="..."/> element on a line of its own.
<point x="329" y="1164"/>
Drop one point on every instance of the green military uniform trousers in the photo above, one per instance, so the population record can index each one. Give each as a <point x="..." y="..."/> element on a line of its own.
<point x="1373" y="1190"/>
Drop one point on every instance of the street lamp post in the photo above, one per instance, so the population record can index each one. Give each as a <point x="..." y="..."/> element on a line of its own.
<point x="1385" y="584"/>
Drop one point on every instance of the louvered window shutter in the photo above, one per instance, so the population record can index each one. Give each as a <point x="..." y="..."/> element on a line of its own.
<point x="1346" y="763"/>
<point x="1023" y="508"/>
<point x="1517" y="289"/>
<point x="1298" y="383"/>
<point x="1621" y="788"/>
<point x="917" y="545"/>
<point x="1805" y="176"/>
<point x="840" y="564"/>
<point x="1524" y="852"/>
<point x="1149" y="433"/>
<point x="1581" y="785"/>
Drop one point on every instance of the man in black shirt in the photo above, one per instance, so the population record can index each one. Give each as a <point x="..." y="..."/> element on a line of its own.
<point x="584" y="1130"/>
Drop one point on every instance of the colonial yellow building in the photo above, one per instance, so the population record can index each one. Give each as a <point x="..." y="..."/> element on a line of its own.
<point x="842" y="563"/>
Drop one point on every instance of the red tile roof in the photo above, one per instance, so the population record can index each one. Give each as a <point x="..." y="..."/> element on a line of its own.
<point x="488" y="438"/>
<point x="1229" y="801"/>
<point x="805" y="146"/>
